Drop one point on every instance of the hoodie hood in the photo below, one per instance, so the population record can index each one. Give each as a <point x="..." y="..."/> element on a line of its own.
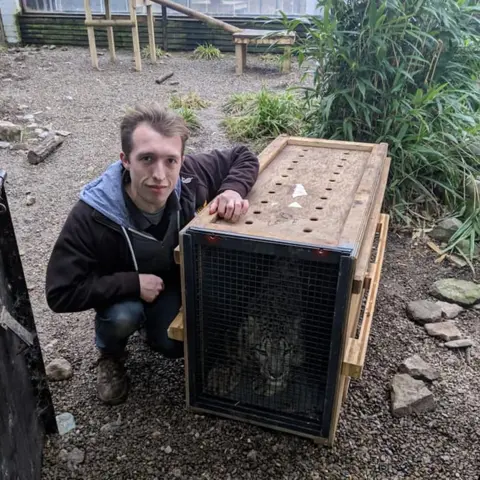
<point x="105" y="194"/>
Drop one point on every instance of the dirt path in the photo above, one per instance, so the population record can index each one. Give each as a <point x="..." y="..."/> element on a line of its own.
<point x="157" y="437"/>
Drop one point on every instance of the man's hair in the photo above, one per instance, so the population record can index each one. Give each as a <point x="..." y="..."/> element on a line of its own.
<point x="164" y="121"/>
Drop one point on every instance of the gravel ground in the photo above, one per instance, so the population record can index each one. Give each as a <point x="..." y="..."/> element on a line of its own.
<point x="156" y="437"/>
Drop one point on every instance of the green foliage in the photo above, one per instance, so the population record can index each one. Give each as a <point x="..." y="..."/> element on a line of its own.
<point x="190" y="118"/>
<point x="191" y="100"/>
<point x="260" y="117"/>
<point x="405" y="72"/>
<point x="207" y="52"/>
<point x="145" y="53"/>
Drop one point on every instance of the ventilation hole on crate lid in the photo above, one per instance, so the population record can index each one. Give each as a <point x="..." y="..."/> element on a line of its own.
<point x="319" y="208"/>
<point x="323" y="198"/>
<point x="257" y="212"/>
<point x="277" y="183"/>
<point x="340" y="166"/>
<point x="331" y="180"/>
<point x="336" y="173"/>
<point x="295" y="161"/>
<point x="290" y="168"/>
<point x="266" y="201"/>
<point x="346" y="153"/>
<point x="328" y="189"/>
<point x="314" y="219"/>
<point x="301" y="155"/>
<point x="248" y="222"/>
<point x="284" y="176"/>
<point x="307" y="230"/>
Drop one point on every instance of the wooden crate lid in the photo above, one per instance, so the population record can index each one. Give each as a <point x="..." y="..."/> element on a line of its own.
<point x="310" y="191"/>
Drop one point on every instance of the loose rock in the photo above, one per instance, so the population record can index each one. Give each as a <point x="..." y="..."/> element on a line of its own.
<point x="65" y="423"/>
<point x="462" y="343"/>
<point x="63" y="133"/>
<point x="445" y="330"/>
<point x="450" y="310"/>
<point x="462" y="292"/>
<point x="29" y="202"/>
<point x="410" y="396"/>
<point x="112" y="426"/>
<point x="168" y="449"/>
<point x="417" y="368"/>
<point x="62" y="455"/>
<point x="424" y="311"/>
<point x="75" y="458"/>
<point x="252" y="455"/>
<point x="445" y="229"/>
<point x="4" y="145"/>
<point x="9" y="132"/>
<point x="59" y="369"/>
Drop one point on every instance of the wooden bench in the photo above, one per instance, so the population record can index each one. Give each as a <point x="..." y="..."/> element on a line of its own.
<point x="262" y="37"/>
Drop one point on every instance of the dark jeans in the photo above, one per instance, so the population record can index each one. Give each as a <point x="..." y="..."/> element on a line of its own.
<point x="115" y="324"/>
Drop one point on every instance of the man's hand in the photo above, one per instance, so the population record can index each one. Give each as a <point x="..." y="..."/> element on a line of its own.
<point x="150" y="287"/>
<point x="229" y="205"/>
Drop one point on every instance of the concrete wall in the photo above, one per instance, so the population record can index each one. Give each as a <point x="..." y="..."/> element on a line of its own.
<point x="9" y="10"/>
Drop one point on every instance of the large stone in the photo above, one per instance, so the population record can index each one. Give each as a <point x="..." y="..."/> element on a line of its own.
<point x="446" y="331"/>
<point x="65" y="423"/>
<point x="424" y="311"/>
<point x="453" y="290"/>
<point x="445" y="229"/>
<point x="59" y="369"/>
<point x="450" y="310"/>
<point x="410" y="396"/>
<point x="462" y="343"/>
<point x="9" y="132"/>
<point x="418" y="368"/>
<point x="75" y="458"/>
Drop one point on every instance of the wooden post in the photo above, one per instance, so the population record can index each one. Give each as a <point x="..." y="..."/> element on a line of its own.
<point x="91" y="35"/>
<point x="287" y="59"/>
<point x="240" y="57"/>
<point x="151" y="32"/>
<point x="111" y="39"/>
<point x="135" y="39"/>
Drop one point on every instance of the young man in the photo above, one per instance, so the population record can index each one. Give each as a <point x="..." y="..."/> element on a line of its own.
<point x="115" y="251"/>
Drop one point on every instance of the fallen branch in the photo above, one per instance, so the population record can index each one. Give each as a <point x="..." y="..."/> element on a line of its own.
<point x="162" y="79"/>
<point x="40" y="152"/>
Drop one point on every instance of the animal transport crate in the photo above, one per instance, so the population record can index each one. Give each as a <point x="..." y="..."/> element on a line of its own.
<point x="272" y="303"/>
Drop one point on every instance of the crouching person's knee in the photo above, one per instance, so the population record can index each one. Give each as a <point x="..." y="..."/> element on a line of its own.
<point x="120" y="320"/>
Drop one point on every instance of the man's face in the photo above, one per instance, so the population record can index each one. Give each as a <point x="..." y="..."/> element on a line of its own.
<point x="154" y="167"/>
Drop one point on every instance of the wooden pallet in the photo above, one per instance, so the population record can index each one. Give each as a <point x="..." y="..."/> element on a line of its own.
<point x="356" y="226"/>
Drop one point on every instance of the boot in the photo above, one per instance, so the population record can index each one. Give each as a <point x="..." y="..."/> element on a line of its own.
<point x="112" y="380"/>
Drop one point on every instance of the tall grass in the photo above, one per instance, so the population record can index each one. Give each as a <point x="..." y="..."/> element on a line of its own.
<point x="207" y="52"/>
<point x="405" y="72"/>
<point x="258" y="118"/>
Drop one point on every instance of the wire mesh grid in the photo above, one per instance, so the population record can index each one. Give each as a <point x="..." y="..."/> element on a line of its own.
<point x="263" y="330"/>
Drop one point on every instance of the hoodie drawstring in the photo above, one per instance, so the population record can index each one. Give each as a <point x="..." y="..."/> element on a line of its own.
<point x="131" y="248"/>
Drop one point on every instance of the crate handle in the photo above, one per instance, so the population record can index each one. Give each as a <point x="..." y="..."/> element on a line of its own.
<point x="356" y="348"/>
